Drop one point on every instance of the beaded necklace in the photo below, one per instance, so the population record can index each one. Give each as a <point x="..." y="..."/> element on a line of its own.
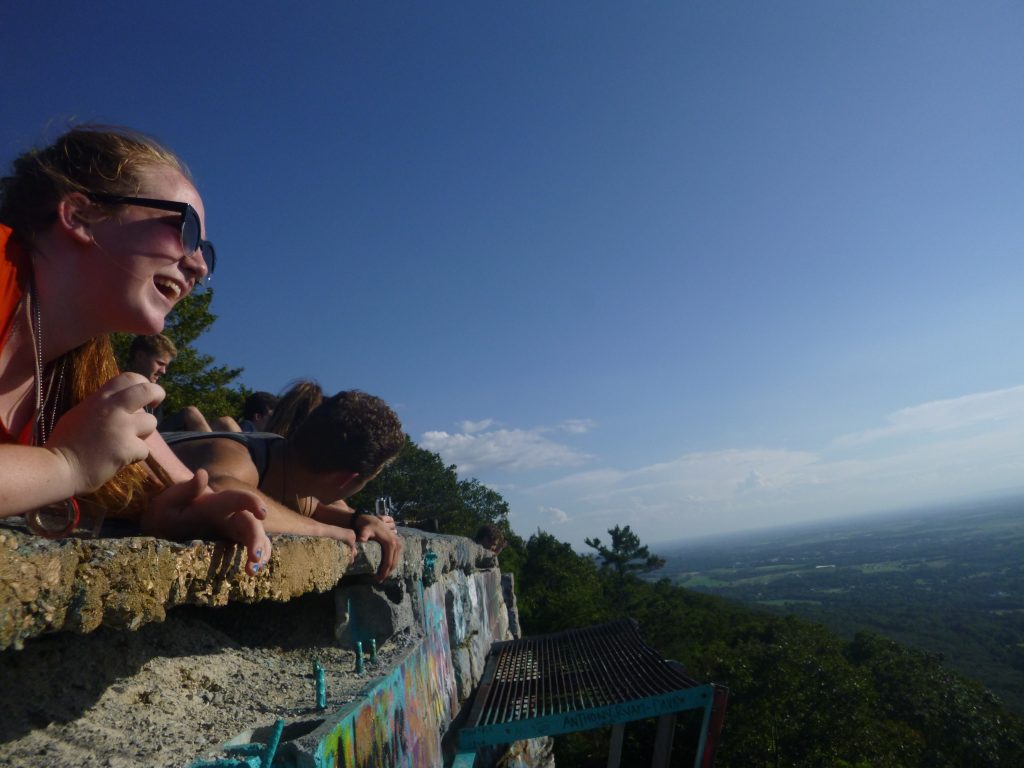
<point x="54" y="520"/>
<point x="48" y="394"/>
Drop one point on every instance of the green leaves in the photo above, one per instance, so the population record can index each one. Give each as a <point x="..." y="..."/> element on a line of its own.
<point x="558" y="588"/>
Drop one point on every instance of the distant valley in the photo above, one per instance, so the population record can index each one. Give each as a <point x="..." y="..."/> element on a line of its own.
<point x="949" y="581"/>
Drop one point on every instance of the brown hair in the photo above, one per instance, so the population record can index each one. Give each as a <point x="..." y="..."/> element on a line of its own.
<point x="294" y="406"/>
<point x="257" y="404"/>
<point x="489" y="536"/>
<point x="154" y="344"/>
<point x="350" y="431"/>
<point x="88" y="158"/>
<point x="90" y="366"/>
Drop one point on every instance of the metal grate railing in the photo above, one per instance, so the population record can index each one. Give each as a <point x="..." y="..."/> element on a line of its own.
<point x="573" y="671"/>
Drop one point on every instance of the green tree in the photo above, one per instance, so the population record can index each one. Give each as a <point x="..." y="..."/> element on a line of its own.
<point x="558" y="588"/>
<point x="193" y="378"/>
<point x="422" y="488"/>
<point x="485" y="505"/>
<point x="626" y="556"/>
<point x="426" y="492"/>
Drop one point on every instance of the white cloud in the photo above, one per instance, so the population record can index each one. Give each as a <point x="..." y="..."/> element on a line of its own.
<point x="752" y="482"/>
<point x="556" y="515"/>
<point x="928" y="453"/>
<point x="577" y="426"/>
<point x="946" y="449"/>
<point x="694" y="475"/>
<point x="510" y="449"/>
<point x="944" y="415"/>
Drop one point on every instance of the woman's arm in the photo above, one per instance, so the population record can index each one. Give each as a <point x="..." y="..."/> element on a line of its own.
<point x="31" y="478"/>
<point x="89" y="444"/>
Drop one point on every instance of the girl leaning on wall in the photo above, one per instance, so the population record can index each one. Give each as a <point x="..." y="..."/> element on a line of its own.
<point x="102" y="231"/>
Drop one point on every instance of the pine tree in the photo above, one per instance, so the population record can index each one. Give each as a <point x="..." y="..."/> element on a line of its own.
<point x="624" y="553"/>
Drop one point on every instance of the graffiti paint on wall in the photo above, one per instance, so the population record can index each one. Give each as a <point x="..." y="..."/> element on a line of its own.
<point x="493" y="599"/>
<point x="456" y="590"/>
<point x="468" y="599"/>
<point x="400" y="722"/>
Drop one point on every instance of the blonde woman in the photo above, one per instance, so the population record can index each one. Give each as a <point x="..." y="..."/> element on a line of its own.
<point x="102" y="231"/>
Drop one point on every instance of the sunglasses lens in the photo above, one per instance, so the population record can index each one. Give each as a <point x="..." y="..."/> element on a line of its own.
<point x="209" y="256"/>
<point x="190" y="230"/>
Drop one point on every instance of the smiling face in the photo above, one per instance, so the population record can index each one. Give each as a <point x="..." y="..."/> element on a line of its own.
<point x="139" y="270"/>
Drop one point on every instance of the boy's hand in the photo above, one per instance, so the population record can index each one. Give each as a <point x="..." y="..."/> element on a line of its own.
<point x="370" y="528"/>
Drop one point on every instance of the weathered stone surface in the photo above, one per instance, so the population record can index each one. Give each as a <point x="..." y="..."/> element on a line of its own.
<point x="78" y="585"/>
<point x="188" y="679"/>
<point x="508" y="589"/>
<point x="532" y="753"/>
<point x="368" y="612"/>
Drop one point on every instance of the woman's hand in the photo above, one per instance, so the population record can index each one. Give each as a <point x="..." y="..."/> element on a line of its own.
<point x="106" y="431"/>
<point x="190" y="508"/>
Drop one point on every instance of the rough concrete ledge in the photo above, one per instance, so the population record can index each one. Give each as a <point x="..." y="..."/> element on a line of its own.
<point x="77" y="585"/>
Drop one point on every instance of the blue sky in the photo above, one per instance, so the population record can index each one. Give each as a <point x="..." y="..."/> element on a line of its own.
<point x="693" y="267"/>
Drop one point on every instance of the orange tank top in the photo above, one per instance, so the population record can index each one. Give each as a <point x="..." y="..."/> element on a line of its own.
<point x="13" y="274"/>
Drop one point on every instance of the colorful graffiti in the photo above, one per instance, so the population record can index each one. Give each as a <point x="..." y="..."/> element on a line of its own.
<point x="400" y="722"/>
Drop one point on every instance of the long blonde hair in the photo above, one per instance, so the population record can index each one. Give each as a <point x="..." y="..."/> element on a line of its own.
<point x="86" y="159"/>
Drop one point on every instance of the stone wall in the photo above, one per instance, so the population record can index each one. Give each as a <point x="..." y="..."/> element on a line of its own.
<point x="78" y="585"/>
<point x="136" y="651"/>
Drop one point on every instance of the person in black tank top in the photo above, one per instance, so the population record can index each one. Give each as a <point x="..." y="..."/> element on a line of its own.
<point x="257" y="443"/>
<point x="332" y="450"/>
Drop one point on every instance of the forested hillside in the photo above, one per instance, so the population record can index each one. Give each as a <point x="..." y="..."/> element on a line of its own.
<point x="948" y="581"/>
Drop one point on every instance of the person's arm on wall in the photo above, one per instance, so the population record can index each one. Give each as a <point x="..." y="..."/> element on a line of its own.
<point x="231" y="469"/>
<point x="367" y="528"/>
<point x="190" y="507"/>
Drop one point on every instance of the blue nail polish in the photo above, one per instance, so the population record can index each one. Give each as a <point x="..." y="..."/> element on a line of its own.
<point x="256" y="567"/>
<point x="259" y="554"/>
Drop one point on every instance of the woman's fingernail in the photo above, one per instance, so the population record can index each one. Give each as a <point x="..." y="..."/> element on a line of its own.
<point x="259" y="554"/>
<point x="256" y="567"/>
<point x="263" y="510"/>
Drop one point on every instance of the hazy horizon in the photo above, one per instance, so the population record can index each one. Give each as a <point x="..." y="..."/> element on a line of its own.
<point x="960" y="507"/>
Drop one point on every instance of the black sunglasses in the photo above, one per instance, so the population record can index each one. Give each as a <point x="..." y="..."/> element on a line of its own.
<point x="191" y="229"/>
